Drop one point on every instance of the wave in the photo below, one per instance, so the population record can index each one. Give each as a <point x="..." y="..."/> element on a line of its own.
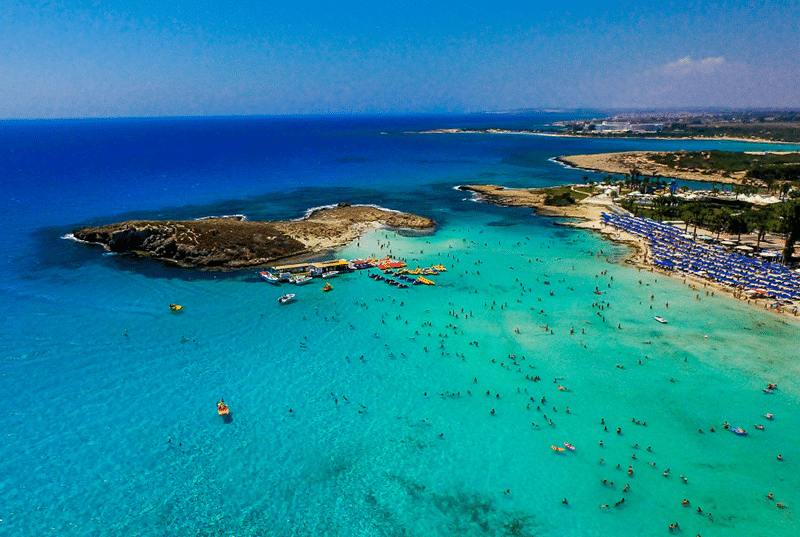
<point x="312" y="210"/>
<point x="239" y="217"/>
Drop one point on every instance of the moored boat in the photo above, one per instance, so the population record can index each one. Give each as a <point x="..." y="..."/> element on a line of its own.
<point x="328" y="287"/>
<point x="426" y="281"/>
<point x="330" y="274"/>
<point x="301" y="280"/>
<point x="269" y="277"/>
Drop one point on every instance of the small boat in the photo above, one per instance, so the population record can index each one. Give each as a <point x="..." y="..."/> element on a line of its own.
<point x="402" y="286"/>
<point x="269" y="277"/>
<point x="222" y="408"/>
<point x="660" y="319"/>
<point x="739" y="431"/>
<point x="569" y="446"/>
<point x="426" y="281"/>
<point x="330" y="274"/>
<point x="301" y="280"/>
<point x="285" y="299"/>
<point x="175" y="307"/>
<point x="769" y="416"/>
<point x="328" y="287"/>
<point x="768" y="390"/>
<point x="554" y="448"/>
<point x="759" y="427"/>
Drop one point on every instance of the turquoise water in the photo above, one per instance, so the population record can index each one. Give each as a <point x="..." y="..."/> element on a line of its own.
<point x="364" y="411"/>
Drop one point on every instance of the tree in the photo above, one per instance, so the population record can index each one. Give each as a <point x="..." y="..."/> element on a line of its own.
<point x="738" y="224"/>
<point x="790" y="211"/>
<point x="758" y="222"/>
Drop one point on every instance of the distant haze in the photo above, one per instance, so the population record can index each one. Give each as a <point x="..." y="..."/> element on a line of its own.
<point x="113" y="58"/>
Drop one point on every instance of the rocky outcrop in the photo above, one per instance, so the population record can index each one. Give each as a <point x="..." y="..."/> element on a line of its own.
<point x="231" y="243"/>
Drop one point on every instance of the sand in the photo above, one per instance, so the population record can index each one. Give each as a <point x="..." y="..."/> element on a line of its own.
<point x="586" y="214"/>
<point x="623" y="163"/>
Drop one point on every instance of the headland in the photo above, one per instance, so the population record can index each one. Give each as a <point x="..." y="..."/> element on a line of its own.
<point x="646" y="164"/>
<point x="235" y="243"/>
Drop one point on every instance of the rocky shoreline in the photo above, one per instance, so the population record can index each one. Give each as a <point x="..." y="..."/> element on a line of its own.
<point x="234" y="243"/>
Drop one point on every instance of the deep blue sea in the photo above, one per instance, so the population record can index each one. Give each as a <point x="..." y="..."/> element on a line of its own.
<point x="369" y="410"/>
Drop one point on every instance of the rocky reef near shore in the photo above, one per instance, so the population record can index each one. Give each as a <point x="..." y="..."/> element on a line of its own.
<point x="234" y="243"/>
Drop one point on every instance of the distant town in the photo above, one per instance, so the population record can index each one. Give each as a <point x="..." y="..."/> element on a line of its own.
<point x="766" y="125"/>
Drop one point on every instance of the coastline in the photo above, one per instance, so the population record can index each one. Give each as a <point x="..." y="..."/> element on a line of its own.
<point x="623" y="162"/>
<point x="586" y="214"/>
<point x="605" y="137"/>
<point x="237" y="243"/>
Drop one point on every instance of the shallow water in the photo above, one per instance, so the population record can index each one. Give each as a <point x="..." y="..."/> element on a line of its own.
<point x="364" y="411"/>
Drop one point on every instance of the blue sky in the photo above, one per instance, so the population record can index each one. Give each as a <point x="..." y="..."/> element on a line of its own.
<point x="109" y="58"/>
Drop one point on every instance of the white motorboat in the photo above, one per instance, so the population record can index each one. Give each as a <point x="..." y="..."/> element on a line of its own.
<point x="285" y="299"/>
<point x="660" y="319"/>
<point x="269" y="277"/>
<point x="330" y="274"/>
<point x="301" y="280"/>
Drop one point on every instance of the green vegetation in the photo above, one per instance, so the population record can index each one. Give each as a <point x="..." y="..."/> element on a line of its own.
<point x="734" y="217"/>
<point x="561" y="196"/>
<point x="725" y="161"/>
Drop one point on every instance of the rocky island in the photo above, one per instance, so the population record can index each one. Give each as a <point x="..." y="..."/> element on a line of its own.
<point x="236" y="243"/>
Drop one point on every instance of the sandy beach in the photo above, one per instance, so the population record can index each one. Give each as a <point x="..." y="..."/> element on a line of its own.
<point x="586" y="214"/>
<point x="623" y="163"/>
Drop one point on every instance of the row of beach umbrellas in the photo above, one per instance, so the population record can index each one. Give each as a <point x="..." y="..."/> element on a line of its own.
<point x="671" y="249"/>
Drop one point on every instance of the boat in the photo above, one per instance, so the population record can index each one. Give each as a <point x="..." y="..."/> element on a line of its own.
<point x="330" y="274"/>
<point x="660" y="319"/>
<point x="426" y="281"/>
<point x="768" y="390"/>
<point x="175" y="307"/>
<point x="769" y="416"/>
<point x="569" y="446"/>
<point x="269" y="277"/>
<point x="739" y="431"/>
<point x="402" y="286"/>
<point x="285" y="299"/>
<point x="301" y="280"/>
<point x="759" y="427"/>
<point x="328" y="287"/>
<point x="555" y="448"/>
<point x="222" y="408"/>
<point x="439" y="267"/>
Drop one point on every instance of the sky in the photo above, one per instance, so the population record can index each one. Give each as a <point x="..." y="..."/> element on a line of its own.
<point x="110" y="58"/>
